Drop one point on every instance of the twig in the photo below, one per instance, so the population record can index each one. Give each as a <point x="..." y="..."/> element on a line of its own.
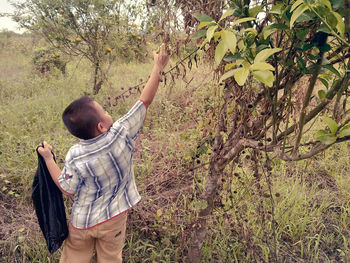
<point x="164" y="73"/>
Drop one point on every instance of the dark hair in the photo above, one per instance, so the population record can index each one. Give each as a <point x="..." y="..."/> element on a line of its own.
<point x="81" y="118"/>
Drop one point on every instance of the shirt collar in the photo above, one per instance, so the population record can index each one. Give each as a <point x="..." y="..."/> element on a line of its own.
<point x="93" y="140"/>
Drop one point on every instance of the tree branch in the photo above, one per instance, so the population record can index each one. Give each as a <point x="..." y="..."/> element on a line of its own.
<point x="316" y="150"/>
<point x="307" y="101"/>
<point x="329" y="96"/>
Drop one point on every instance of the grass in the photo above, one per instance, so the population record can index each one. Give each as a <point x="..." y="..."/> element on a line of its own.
<point x="310" y="199"/>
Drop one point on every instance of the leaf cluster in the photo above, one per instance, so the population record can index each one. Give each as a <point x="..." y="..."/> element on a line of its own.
<point x="262" y="52"/>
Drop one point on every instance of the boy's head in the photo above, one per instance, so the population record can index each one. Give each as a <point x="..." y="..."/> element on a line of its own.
<point x="86" y="119"/>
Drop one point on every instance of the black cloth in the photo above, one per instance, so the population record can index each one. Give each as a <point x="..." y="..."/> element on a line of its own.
<point x="49" y="207"/>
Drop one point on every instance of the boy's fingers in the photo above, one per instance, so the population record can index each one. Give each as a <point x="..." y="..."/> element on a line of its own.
<point x="168" y="49"/>
<point x="163" y="47"/>
<point x="45" y="146"/>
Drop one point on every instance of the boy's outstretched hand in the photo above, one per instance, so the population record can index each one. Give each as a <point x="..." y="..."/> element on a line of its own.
<point x="161" y="56"/>
<point x="45" y="150"/>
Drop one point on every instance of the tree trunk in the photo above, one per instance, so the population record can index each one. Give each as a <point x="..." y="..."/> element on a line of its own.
<point x="199" y="229"/>
<point x="97" y="82"/>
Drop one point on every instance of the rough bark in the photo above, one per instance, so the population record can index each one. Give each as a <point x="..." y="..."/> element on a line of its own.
<point x="199" y="229"/>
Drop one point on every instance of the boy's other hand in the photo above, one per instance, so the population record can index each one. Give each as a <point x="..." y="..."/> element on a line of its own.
<point x="162" y="56"/>
<point x="45" y="150"/>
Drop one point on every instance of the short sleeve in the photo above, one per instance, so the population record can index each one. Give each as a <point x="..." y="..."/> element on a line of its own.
<point x="133" y="120"/>
<point x="69" y="180"/>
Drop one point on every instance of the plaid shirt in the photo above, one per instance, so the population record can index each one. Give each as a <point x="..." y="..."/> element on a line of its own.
<point x="99" y="171"/>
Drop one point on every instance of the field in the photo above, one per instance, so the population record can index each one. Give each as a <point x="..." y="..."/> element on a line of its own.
<point x="305" y="218"/>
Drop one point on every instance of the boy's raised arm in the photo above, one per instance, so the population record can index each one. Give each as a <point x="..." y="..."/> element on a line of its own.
<point x="161" y="58"/>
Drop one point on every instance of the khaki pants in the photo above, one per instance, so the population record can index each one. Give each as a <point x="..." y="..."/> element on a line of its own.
<point x="107" y="238"/>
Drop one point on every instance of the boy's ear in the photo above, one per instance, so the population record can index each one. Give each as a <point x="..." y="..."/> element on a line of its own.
<point x="100" y="128"/>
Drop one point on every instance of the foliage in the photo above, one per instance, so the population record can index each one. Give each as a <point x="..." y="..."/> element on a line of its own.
<point x="262" y="51"/>
<point x="310" y="197"/>
<point x="210" y="167"/>
<point x="45" y="60"/>
<point x="97" y="30"/>
<point x="300" y="39"/>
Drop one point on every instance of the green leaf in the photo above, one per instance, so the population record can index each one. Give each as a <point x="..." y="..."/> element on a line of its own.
<point x="324" y="82"/>
<point x="20" y="238"/>
<point x="264" y="76"/>
<point x="280" y="26"/>
<point x="297" y="12"/>
<point x="277" y="9"/>
<point x="253" y="12"/>
<point x="227" y="75"/>
<point x="301" y="64"/>
<point x="332" y="69"/>
<point x="324" y="48"/>
<point x="232" y="57"/>
<point x="324" y="137"/>
<point x="321" y="133"/>
<point x="261" y="66"/>
<point x="296" y="4"/>
<point x="203" y="44"/>
<point x="332" y="125"/>
<point x="331" y="20"/>
<point x="241" y="75"/>
<point x="321" y="94"/>
<point x="336" y="4"/>
<point x="324" y="28"/>
<point x="220" y="51"/>
<point x="241" y="45"/>
<point x="204" y="24"/>
<point x="210" y="32"/>
<point x="229" y="12"/>
<point x="327" y="4"/>
<point x="301" y="34"/>
<point x="230" y="40"/>
<point x="198" y="205"/>
<point x="264" y="54"/>
<point x="327" y="139"/>
<point x="306" y="16"/>
<point x="199" y="34"/>
<point x="159" y="212"/>
<point x="345" y="131"/>
<point x="321" y="10"/>
<point x="203" y="18"/>
<point x="229" y="66"/>
<point x="268" y="30"/>
<point x="243" y="20"/>
<point x="340" y="23"/>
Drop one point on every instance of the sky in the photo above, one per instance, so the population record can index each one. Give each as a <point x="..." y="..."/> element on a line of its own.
<point x="5" y="22"/>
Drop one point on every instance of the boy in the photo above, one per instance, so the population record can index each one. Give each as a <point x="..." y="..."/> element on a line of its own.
<point x="98" y="170"/>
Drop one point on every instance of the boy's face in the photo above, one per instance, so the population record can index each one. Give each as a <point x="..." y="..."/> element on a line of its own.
<point x="106" y="120"/>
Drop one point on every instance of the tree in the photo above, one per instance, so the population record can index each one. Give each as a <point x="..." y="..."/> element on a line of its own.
<point x="262" y="50"/>
<point x="99" y="30"/>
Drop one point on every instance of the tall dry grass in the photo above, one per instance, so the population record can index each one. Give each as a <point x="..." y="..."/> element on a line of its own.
<point x="311" y="198"/>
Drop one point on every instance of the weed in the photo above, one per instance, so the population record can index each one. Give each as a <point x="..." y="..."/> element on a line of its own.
<point x="310" y="199"/>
